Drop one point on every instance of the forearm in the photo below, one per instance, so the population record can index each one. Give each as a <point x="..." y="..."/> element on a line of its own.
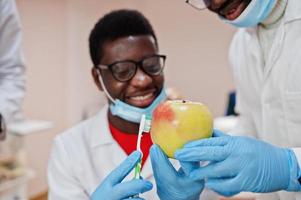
<point x="11" y="96"/>
<point x="12" y="81"/>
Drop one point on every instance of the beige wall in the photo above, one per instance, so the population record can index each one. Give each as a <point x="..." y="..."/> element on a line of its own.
<point x="59" y="86"/>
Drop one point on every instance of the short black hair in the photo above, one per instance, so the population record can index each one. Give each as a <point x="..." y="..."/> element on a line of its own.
<point x="114" y="25"/>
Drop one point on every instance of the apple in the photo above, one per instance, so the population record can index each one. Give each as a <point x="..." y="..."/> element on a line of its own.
<point x="174" y="123"/>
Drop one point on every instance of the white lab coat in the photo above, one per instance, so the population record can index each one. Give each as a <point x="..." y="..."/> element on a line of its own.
<point x="12" y="84"/>
<point x="83" y="156"/>
<point x="269" y="96"/>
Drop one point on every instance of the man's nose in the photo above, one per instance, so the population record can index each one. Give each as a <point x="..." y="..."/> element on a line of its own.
<point x="141" y="79"/>
<point x="216" y="4"/>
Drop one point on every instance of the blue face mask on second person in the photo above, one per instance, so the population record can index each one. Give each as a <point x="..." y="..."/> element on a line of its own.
<point x="256" y="12"/>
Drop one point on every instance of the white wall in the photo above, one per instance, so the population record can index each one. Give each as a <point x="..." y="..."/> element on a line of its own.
<point x="59" y="84"/>
<point x="45" y="48"/>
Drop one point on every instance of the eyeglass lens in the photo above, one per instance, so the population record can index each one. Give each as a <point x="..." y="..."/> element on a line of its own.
<point x="153" y="65"/>
<point x="123" y="70"/>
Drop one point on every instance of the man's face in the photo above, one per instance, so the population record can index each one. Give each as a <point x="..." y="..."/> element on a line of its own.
<point x="229" y="9"/>
<point x="142" y="89"/>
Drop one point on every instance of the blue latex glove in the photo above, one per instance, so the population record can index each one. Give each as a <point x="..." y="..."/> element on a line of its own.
<point x="172" y="184"/>
<point x="242" y="164"/>
<point x="112" y="188"/>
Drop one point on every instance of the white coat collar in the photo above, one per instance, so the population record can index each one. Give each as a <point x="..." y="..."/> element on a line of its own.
<point x="293" y="11"/>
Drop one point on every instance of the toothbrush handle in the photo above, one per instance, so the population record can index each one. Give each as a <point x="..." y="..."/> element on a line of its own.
<point x="138" y="170"/>
<point x="137" y="174"/>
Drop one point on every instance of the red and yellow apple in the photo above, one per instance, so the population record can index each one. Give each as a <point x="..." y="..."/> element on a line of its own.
<point x="175" y="123"/>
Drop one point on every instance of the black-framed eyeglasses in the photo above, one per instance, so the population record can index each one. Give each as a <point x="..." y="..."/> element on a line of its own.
<point x="198" y="4"/>
<point x="125" y="70"/>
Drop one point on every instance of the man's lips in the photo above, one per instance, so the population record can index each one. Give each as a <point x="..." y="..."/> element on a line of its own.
<point x="142" y="100"/>
<point x="233" y="10"/>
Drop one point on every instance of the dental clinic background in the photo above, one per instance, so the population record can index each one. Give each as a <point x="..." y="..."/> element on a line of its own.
<point x="59" y="83"/>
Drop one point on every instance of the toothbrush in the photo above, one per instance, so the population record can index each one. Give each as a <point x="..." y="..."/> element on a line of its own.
<point x="145" y="125"/>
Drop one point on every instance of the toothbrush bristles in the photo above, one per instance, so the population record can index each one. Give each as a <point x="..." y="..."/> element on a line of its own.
<point x="147" y="125"/>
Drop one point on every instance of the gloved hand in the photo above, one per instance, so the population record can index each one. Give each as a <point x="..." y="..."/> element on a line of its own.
<point x="112" y="188"/>
<point x="172" y="184"/>
<point x="242" y="164"/>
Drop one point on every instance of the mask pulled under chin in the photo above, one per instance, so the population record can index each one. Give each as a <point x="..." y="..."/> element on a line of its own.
<point x="132" y="113"/>
<point x="256" y="12"/>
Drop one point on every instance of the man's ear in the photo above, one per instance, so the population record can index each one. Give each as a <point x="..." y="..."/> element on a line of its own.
<point x="96" y="74"/>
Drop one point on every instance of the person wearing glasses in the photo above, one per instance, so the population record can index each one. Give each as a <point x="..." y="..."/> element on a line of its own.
<point x="12" y="69"/>
<point x="128" y="68"/>
<point x="265" y="56"/>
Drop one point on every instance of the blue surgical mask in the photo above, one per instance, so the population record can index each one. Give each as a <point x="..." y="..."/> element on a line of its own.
<point x="256" y="12"/>
<point x="131" y="113"/>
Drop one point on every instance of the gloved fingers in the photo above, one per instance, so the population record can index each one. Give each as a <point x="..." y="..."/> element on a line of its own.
<point x="118" y="174"/>
<point x="218" y="133"/>
<point x="197" y="154"/>
<point x="214" y="170"/>
<point x="160" y="163"/>
<point x="131" y="188"/>
<point x="223" y="186"/>
<point x="213" y="141"/>
<point x="188" y="167"/>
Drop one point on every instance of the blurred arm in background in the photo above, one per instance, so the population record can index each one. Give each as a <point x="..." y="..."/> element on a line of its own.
<point x="12" y="80"/>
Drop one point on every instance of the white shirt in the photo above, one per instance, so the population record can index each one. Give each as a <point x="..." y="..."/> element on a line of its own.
<point x="12" y="83"/>
<point x="269" y="93"/>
